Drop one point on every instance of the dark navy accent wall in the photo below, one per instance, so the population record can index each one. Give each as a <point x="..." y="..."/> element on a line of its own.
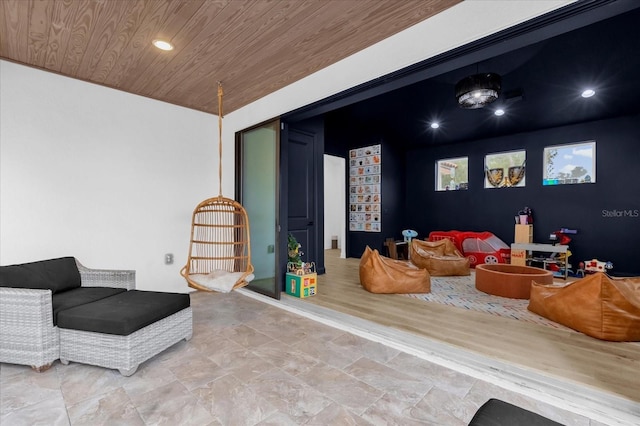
<point x="343" y="135"/>
<point x="606" y="214"/>
<point x="585" y="41"/>
<point x="392" y="195"/>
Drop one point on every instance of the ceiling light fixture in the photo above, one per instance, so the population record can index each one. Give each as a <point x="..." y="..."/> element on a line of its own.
<point x="499" y="112"/>
<point x="588" y="93"/>
<point x="435" y="125"/>
<point x="162" y="45"/>
<point x="478" y="90"/>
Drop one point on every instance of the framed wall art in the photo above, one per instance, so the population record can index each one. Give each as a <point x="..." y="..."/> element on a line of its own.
<point x="505" y="169"/>
<point x="452" y="174"/>
<point x="365" y="198"/>
<point x="569" y="164"/>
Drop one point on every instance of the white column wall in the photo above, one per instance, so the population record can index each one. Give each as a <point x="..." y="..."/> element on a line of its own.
<point x="112" y="178"/>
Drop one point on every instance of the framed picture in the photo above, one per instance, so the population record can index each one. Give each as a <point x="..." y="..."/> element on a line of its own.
<point x="569" y="164"/>
<point x="365" y="179"/>
<point x="505" y="169"/>
<point x="452" y="174"/>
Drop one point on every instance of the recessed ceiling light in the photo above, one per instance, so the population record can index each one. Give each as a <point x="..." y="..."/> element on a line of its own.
<point x="499" y="112"/>
<point x="588" y="93"/>
<point x="162" y="45"/>
<point x="435" y="125"/>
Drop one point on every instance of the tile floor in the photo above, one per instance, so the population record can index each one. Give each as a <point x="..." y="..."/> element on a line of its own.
<point x="252" y="363"/>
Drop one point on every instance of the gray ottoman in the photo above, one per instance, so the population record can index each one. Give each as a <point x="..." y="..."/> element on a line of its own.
<point x="124" y="330"/>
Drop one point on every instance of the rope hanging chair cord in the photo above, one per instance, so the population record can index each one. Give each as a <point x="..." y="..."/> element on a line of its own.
<point x="219" y="236"/>
<point x="220" y="94"/>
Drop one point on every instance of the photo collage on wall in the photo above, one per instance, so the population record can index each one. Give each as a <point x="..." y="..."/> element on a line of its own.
<point x="365" y="175"/>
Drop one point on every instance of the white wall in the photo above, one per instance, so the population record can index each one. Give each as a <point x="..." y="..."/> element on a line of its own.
<point x="109" y="177"/>
<point x="334" y="201"/>
<point x="113" y="178"/>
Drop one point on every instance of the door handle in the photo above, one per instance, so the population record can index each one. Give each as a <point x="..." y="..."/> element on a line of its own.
<point x="310" y="223"/>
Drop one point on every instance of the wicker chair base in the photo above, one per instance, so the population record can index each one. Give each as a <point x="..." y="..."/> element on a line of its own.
<point x="125" y="353"/>
<point x="27" y="334"/>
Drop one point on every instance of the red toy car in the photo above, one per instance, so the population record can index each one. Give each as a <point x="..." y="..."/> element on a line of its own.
<point x="479" y="247"/>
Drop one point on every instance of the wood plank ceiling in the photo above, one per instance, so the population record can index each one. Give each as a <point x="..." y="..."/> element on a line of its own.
<point x="253" y="47"/>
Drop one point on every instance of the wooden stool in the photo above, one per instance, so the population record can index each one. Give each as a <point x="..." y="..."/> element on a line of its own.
<point x="397" y="249"/>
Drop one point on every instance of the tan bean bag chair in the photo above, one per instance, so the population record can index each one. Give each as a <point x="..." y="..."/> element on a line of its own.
<point x="379" y="274"/>
<point x="599" y="306"/>
<point x="441" y="258"/>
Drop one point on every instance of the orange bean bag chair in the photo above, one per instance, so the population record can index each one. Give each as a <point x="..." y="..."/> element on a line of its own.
<point x="599" y="306"/>
<point x="441" y="258"/>
<point x="379" y="274"/>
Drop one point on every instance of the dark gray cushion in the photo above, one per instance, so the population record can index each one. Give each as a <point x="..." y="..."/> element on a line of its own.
<point x="123" y="313"/>
<point x="56" y="275"/>
<point x="499" y="413"/>
<point x="80" y="296"/>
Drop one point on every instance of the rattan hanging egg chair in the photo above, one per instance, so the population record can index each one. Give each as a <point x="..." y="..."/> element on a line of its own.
<point x="220" y="250"/>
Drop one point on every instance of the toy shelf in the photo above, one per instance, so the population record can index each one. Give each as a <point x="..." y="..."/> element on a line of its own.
<point x="530" y="248"/>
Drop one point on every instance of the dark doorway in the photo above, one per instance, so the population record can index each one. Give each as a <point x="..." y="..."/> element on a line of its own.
<point x="302" y="220"/>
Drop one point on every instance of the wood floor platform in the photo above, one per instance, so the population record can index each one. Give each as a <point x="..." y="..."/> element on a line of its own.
<point x="576" y="368"/>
